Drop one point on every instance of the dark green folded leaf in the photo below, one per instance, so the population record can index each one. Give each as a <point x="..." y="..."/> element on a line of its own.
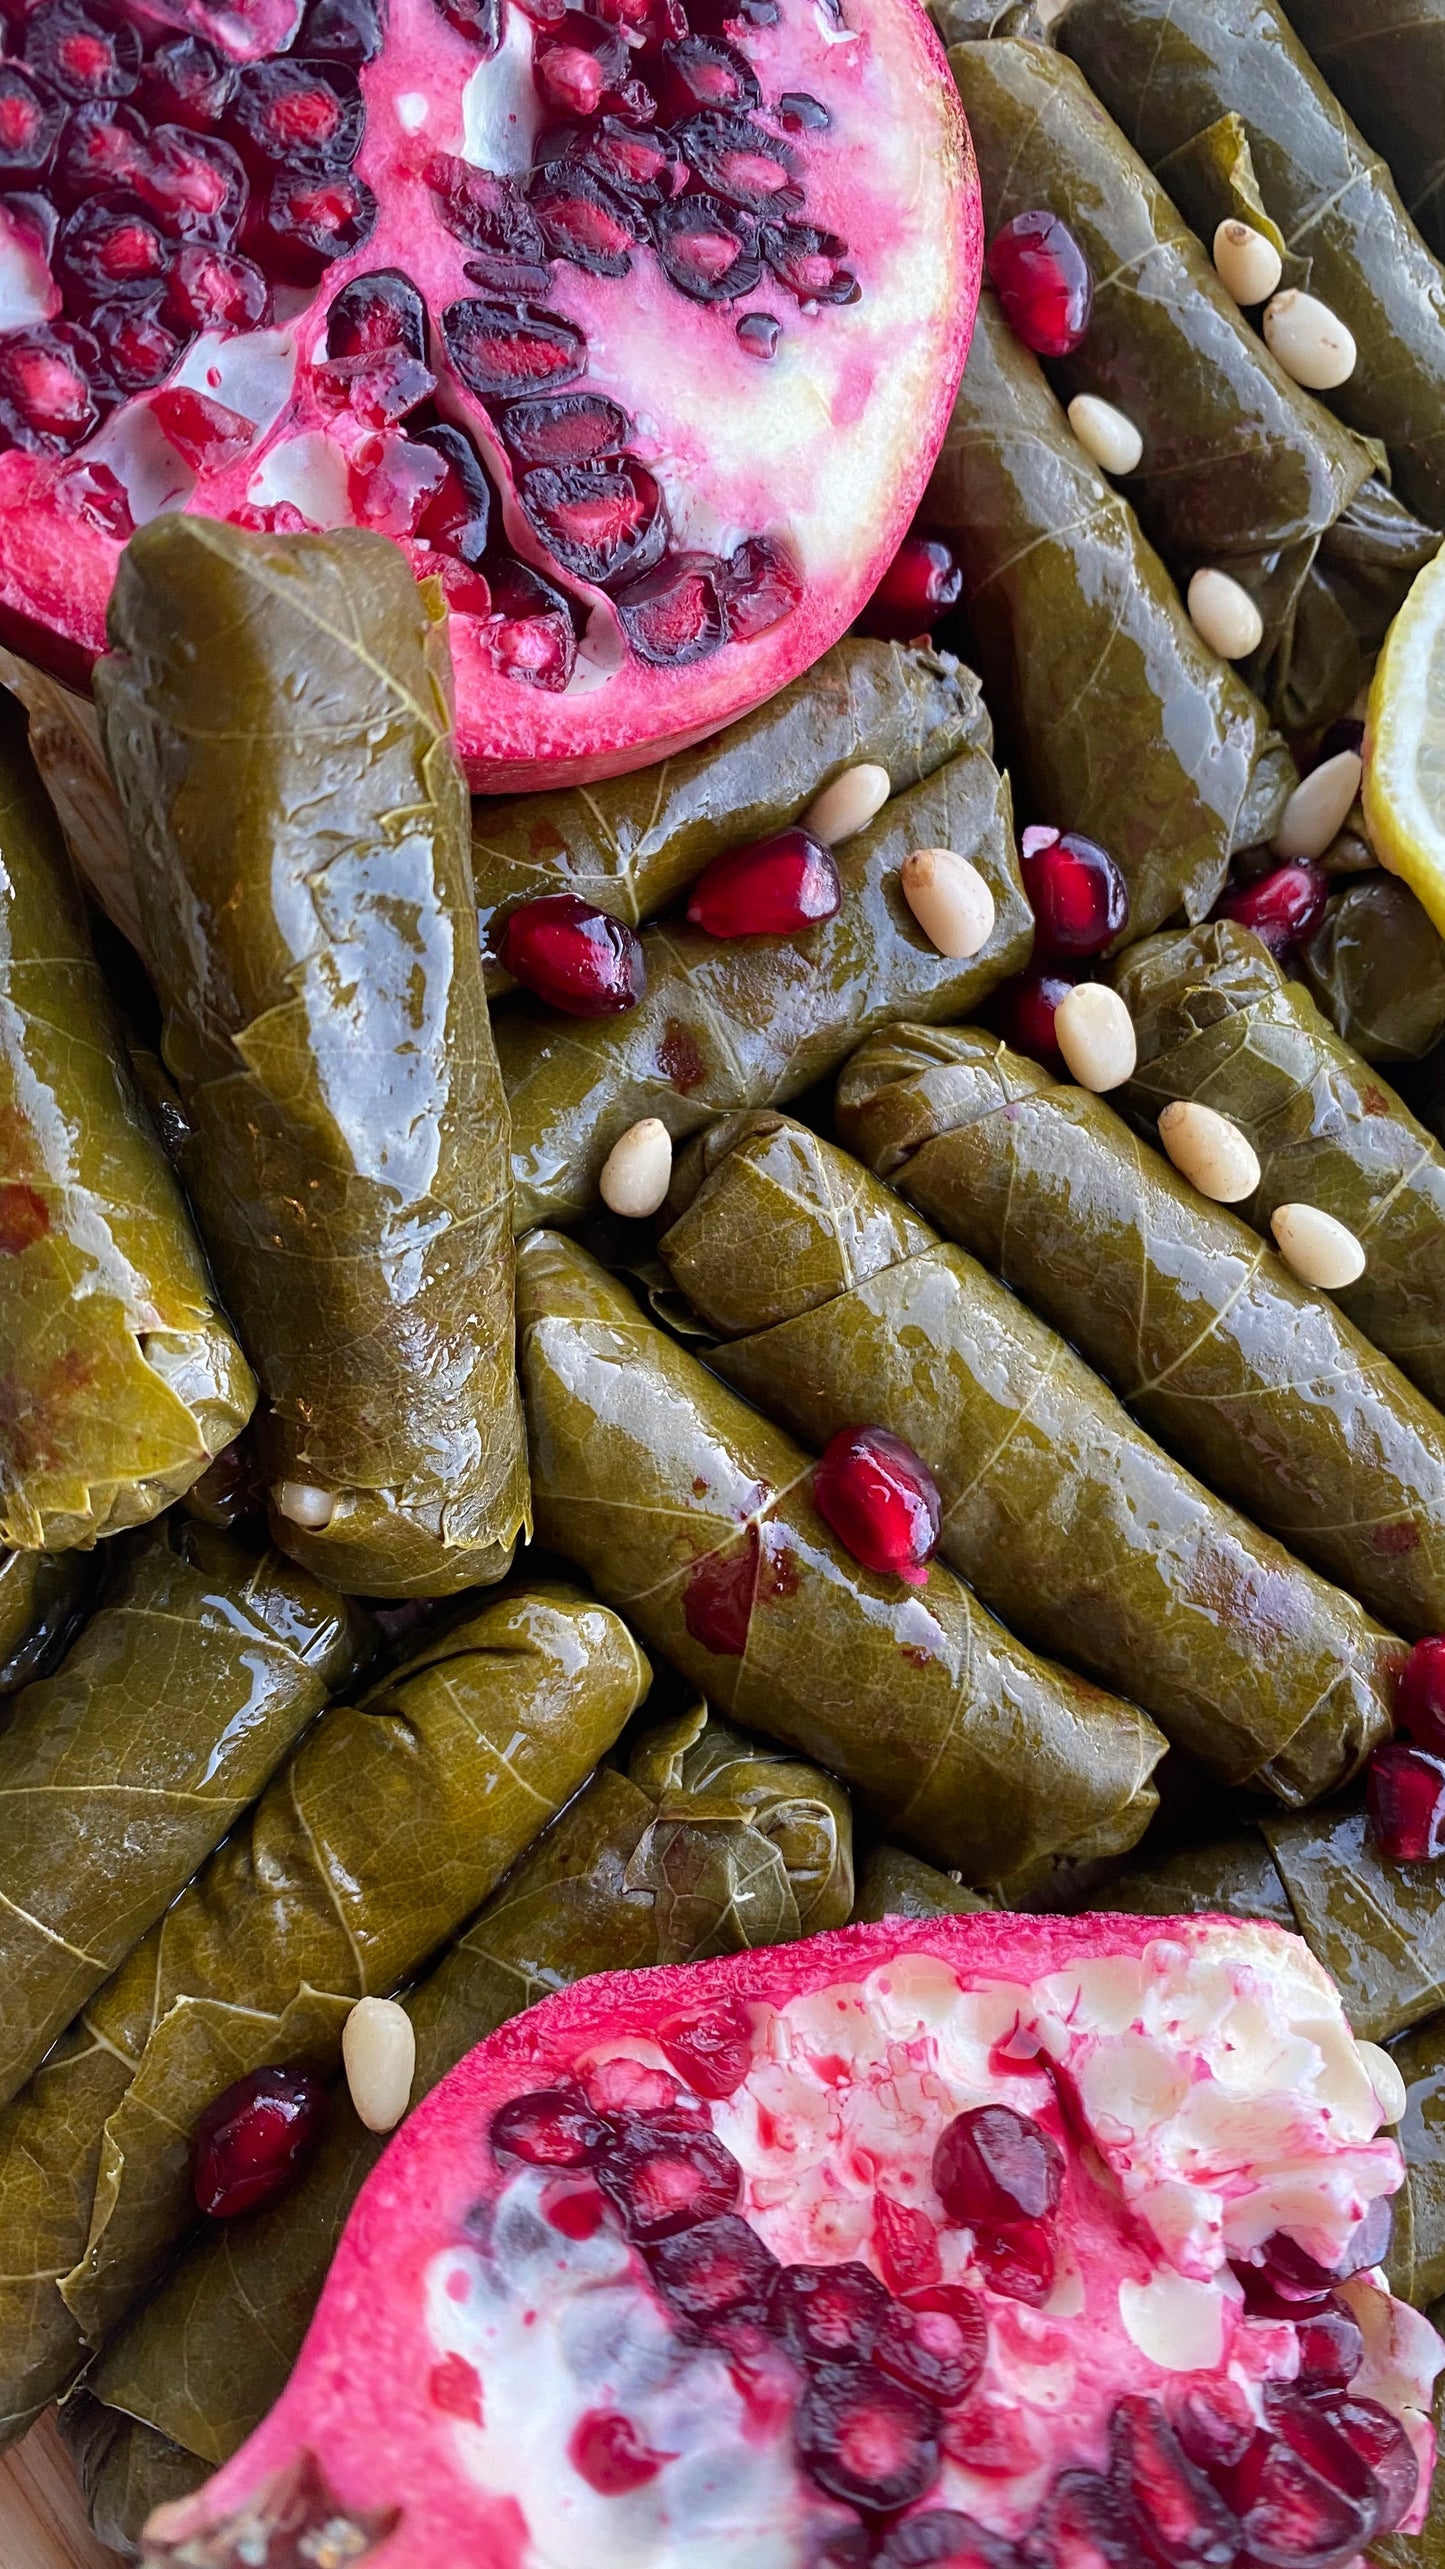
<point x="1232" y="1877"/>
<point x="1240" y="468"/>
<point x="121" y="1772"/>
<point x="277" y="716"/>
<point x="120" y="1375"/>
<point x="748" y="1848"/>
<point x="1378" y="1928"/>
<point x="1385" y="62"/>
<point x="125" y="2470"/>
<point x="1260" y="1385"/>
<point x="1376" y="967"/>
<point x="692" y="1514"/>
<point x="961" y="22"/>
<point x="1217" y="1021"/>
<point x="892" y="1884"/>
<point x="1168" y="69"/>
<point x="1417" y="2248"/>
<point x="42" y="1596"/>
<point x="202" y="2360"/>
<point x="632" y="843"/>
<point x="837" y="1304"/>
<point x="1118" y="721"/>
<point x="759" y="1019"/>
<point x="390" y="1822"/>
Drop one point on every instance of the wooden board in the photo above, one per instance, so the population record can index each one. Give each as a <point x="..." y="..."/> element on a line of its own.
<point x="42" y="2520"/>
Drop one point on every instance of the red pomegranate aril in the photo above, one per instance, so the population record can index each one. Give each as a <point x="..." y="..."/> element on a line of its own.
<point x="253" y="2141"/>
<point x="800" y="114"/>
<point x="704" y="71"/>
<point x="1214" y="2422"/>
<point x="349" y="31"/>
<point x="375" y="313"/>
<point x="207" y="433"/>
<point x="110" y="246"/>
<point x="574" y="957"/>
<point x="1019" y="2262"/>
<point x="645" y="166"/>
<point x="1283" y="907"/>
<point x="936" y="2342"/>
<point x="1023" y="1012"/>
<point x="137" y="350"/>
<point x="720" y="2270"/>
<point x="993" y="2167"/>
<point x="46" y="397"/>
<point x="1381" y="2442"/>
<point x="458" y="514"/>
<point x="1420" y="1695"/>
<point x="1300" y="2279"/>
<point x="1081" y="2527"/>
<point x="809" y="263"/>
<point x="713" y="2052"/>
<point x="880" y="1500"/>
<point x="675" y="615"/>
<point x="623" y="2086"/>
<point x="194" y="185"/>
<point x="1331" y="2348"/>
<point x="93" y="492"/>
<point x="603" y="523"/>
<point x="1405" y="1791"/>
<point x="1043" y="283"/>
<point x="500" y="348"/>
<point x="538" y="650"/>
<point x="309" y="218"/>
<point x="905" y="2244"/>
<point x="867" y="2440"/>
<point x="663" y="2181"/>
<point x="1177" y="2517"/>
<point x="783" y="884"/>
<point x="102" y="148"/>
<point x="485" y="209"/>
<point x="829" y="2314"/>
<point x="377" y="391"/>
<point x="1292" y="2517"/>
<point x="759" y="333"/>
<point x="82" y="56"/>
<point x="706" y="248"/>
<point x="552" y="2127"/>
<point x="215" y="290"/>
<point x="942" y="2539"/>
<point x="466" y="591"/>
<point x="607" y="2451"/>
<point x="921" y="583"/>
<point x="582" y="221"/>
<point x="761" y="584"/>
<point x="30" y="124"/>
<point x="186" y="82"/>
<point x="736" y="158"/>
<point x="1078" y="896"/>
<point x="576" y="428"/>
<point x="578" y="65"/>
<point x="297" y="115"/>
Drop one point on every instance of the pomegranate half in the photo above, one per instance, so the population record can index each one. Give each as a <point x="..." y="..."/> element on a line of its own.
<point x="636" y="322"/>
<point x="1000" y="2242"/>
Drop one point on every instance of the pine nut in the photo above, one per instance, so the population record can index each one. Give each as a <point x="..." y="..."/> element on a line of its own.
<point x="1386" y="2079"/>
<point x="1311" y="342"/>
<point x="1095" y="1033"/>
<point x="950" y="900"/>
<point x="1318" y="1249"/>
<point x="1319" y="807"/>
<point x="378" y="2046"/>
<point x="1105" y="433"/>
<point x="637" y="1171"/>
<point x="847" y="805"/>
<point x="1248" y="265"/>
<point x="1224" y="615"/>
<point x="1209" y="1151"/>
<point x="300" y="1504"/>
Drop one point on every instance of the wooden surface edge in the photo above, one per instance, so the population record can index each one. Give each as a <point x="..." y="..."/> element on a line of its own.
<point x="42" y="2514"/>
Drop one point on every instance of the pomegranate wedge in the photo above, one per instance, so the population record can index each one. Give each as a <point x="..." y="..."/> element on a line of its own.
<point x="968" y="2239"/>
<point x="640" y="334"/>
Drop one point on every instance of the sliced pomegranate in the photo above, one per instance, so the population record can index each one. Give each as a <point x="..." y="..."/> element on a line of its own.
<point x="719" y="2270"/>
<point x="186" y="82"/>
<point x="82" y="54"/>
<point x="252" y="2142"/>
<point x="30" y="123"/>
<point x="1177" y="2518"/>
<point x="551" y="2129"/>
<point x="881" y="1501"/>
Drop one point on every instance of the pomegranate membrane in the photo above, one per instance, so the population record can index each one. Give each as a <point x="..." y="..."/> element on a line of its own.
<point x="637" y="325"/>
<point x="988" y="2240"/>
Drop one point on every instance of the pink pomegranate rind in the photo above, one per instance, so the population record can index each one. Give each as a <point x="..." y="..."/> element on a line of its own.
<point x="584" y="2311"/>
<point x="690" y="564"/>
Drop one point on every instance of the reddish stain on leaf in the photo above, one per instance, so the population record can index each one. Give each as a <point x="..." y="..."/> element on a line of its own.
<point x="679" y="1059"/>
<point x="718" y="1595"/>
<point x="915" y="1654"/>
<point x="24" y="1218"/>
<point x="456" y="2388"/>
<point x="1403" y="1536"/>
<point x="1374" y="1100"/>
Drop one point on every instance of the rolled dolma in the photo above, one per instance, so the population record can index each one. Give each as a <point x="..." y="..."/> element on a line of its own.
<point x="692" y="1514"/>
<point x="393" y="1818"/>
<point x="276" y="712"/>
<point x="1241" y="468"/>
<point x="1417" y="2247"/>
<point x="893" y="1884"/>
<point x="1375" y="966"/>
<point x="1168" y="70"/>
<point x="200" y="2363"/>
<point x="1118" y="721"/>
<point x="631" y="843"/>
<point x="1261" y="1386"/>
<point x="1216" y="1020"/>
<point x="1386" y="66"/>
<point x="42" y="1595"/>
<point x="121" y="1376"/>
<point x="836" y="1304"/>
<point x="120" y="1773"/>
<point x="756" y="1020"/>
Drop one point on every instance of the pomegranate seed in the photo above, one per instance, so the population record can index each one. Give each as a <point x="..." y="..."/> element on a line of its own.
<point x="311" y="217"/>
<point x="1381" y="2441"/>
<point x="351" y="31"/>
<point x="1043" y="283"/>
<point x="392" y="488"/>
<point x="576" y="958"/>
<point x="1331" y="2348"/>
<point x="603" y="523"/>
<point x="1292" y="2511"/>
<point x="1420" y="1695"/>
<point x="905" y="2244"/>
<point x="707" y="249"/>
<point x="297" y="115"/>
<point x="30" y="124"/>
<point x="486" y="210"/>
<point x="1267" y="2296"/>
<point x="1293" y="2270"/>
<point x="1406" y="1796"/>
<point x="623" y="2086"/>
<point x="46" y="400"/>
<point x="1177" y="2516"/>
<point x="79" y="55"/>
<point x="500" y="348"/>
<point x="252" y="2142"/>
<point x="465" y="591"/>
<point x="772" y="889"/>
<point x="1082" y="2526"/>
<point x="194" y="185"/>
<point x="675" y="615"/>
<point x="1214" y="2422"/>
<point x="574" y="429"/>
<point x="646" y="167"/>
<point x="377" y="390"/>
<point x="551" y="2128"/>
<point x="92" y="491"/>
<point x="458" y="515"/>
<point x="103" y="147"/>
<point x="1078" y="896"/>
<point x="921" y="583"/>
<point x="1023" y="1012"/>
<point x="941" y="2540"/>
<point x="215" y="290"/>
<point x="802" y="114"/>
<point x="714" y="2052"/>
<point x="829" y="2314"/>
<point x="811" y="264"/>
<point x="136" y="349"/>
<point x="607" y="2452"/>
<point x="880" y="1500"/>
<point x="761" y="584"/>
<point x="709" y="73"/>
<point x="936" y="2342"/>
<point x="534" y="650"/>
<point x="867" y="2441"/>
<point x="718" y="2271"/>
<point x="1283" y="907"/>
<point x="759" y="333"/>
<point x="732" y="157"/>
<point x="109" y="247"/>
<point x="994" y="2166"/>
<point x="662" y="2182"/>
<point x="578" y="65"/>
<point x="186" y="82"/>
<point x="1018" y="2262"/>
<point x="582" y="221"/>
<point x="376" y="313"/>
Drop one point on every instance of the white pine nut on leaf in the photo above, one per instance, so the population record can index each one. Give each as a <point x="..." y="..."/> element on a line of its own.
<point x="1317" y="1248"/>
<point x="378" y="2047"/>
<point x="637" y="1171"/>
<point x="303" y="1505"/>
<point x="1319" y="807"/>
<point x="1209" y="1151"/>
<point x="1311" y="343"/>
<point x="1095" y="1033"/>
<point x="1224" y="615"/>
<point x="1248" y="265"/>
<point x="950" y="900"/>
<point x="847" y="805"/>
<point x="1107" y="434"/>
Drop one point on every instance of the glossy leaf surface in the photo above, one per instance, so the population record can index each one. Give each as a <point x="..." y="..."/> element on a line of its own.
<point x="1375" y="967"/>
<point x="1386" y="66"/>
<point x="42" y="1595"/>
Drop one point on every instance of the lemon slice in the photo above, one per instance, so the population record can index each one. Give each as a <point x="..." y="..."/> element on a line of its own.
<point x="1404" y="786"/>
